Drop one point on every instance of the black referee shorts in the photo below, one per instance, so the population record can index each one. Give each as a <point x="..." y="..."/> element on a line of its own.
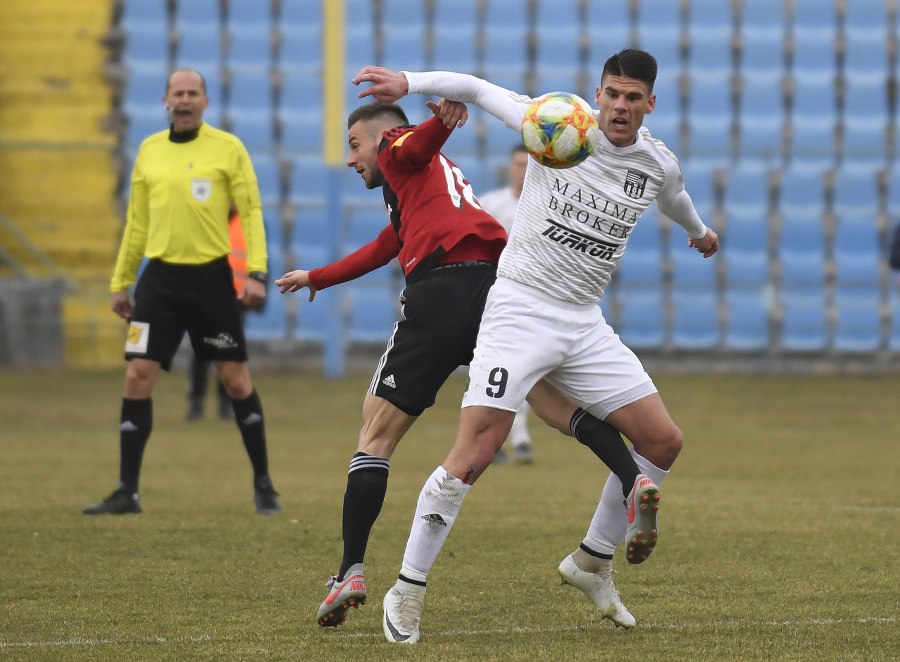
<point x="170" y="299"/>
<point x="435" y="335"/>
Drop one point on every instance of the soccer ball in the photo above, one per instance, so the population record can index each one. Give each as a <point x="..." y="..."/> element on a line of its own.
<point x="560" y="130"/>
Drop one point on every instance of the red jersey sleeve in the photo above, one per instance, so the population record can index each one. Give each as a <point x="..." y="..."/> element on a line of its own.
<point x="415" y="147"/>
<point x="373" y="255"/>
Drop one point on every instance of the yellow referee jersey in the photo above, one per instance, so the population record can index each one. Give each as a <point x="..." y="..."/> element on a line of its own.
<point x="180" y="195"/>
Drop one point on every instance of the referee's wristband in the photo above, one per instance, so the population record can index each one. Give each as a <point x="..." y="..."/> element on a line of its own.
<point x="259" y="276"/>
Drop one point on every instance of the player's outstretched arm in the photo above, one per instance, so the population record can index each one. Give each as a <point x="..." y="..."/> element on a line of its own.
<point x="387" y="85"/>
<point x="451" y="113"/>
<point x="296" y="280"/>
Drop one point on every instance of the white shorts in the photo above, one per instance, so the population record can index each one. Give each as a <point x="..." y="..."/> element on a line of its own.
<point x="525" y="336"/>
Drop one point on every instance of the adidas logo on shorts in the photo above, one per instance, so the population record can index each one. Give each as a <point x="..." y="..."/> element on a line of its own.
<point x="389" y="381"/>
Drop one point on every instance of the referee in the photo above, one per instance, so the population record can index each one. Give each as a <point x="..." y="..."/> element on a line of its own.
<point x="184" y="179"/>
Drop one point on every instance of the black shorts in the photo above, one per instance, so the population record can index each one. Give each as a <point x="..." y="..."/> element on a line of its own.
<point x="435" y="335"/>
<point x="170" y="299"/>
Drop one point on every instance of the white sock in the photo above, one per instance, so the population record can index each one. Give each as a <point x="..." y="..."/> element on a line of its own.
<point x="438" y="506"/>
<point x="519" y="434"/>
<point x="607" y="529"/>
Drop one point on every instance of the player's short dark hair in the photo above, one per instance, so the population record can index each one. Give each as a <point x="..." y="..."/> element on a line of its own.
<point x="202" y="79"/>
<point x="377" y="109"/>
<point x="632" y="63"/>
<point x="518" y="147"/>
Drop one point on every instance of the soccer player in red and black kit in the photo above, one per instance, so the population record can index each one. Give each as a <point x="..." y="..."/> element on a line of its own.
<point x="448" y="248"/>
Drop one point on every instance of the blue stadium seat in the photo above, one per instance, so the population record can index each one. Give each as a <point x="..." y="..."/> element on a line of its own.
<point x="866" y="16"/>
<point x="363" y="226"/>
<point x="373" y="313"/>
<point x="312" y="228"/>
<point x="473" y="167"/>
<point x="747" y="322"/>
<point x="866" y="118"/>
<point x="200" y="15"/>
<point x="802" y="190"/>
<point x="710" y="52"/>
<point x="804" y="324"/>
<point x="402" y="13"/>
<point x="558" y="15"/>
<point x="403" y="47"/>
<point x="856" y="190"/>
<point x="664" y="42"/>
<point x="814" y="16"/>
<point x="454" y="49"/>
<point x="814" y="51"/>
<point x="147" y="47"/>
<point x="659" y="14"/>
<point x="695" y="321"/>
<point x="250" y="92"/>
<point x="295" y="14"/>
<point x="360" y="51"/>
<point x="143" y="123"/>
<point x="665" y="120"/>
<point x="499" y="139"/>
<point x="454" y="16"/>
<point x="857" y="255"/>
<point x="249" y="14"/>
<point x="608" y="30"/>
<point x="509" y="13"/>
<point x="745" y="270"/>
<point x="640" y="270"/>
<point x="557" y="47"/>
<point x="642" y="324"/>
<point x="200" y="47"/>
<point x="746" y="231"/>
<point x="866" y="53"/>
<point x="144" y="91"/>
<point x="557" y="79"/>
<point x="250" y="50"/>
<point x="505" y="46"/>
<point x="691" y="272"/>
<point x="144" y="14"/>
<point x="312" y="322"/>
<point x="813" y="115"/>
<point x="893" y="193"/>
<point x="761" y="115"/>
<point x="274" y="229"/>
<point x="762" y="52"/>
<point x="300" y="112"/>
<point x="301" y="132"/>
<point x="747" y="190"/>
<point x="857" y="324"/>
<point x="710" y="116"/>
<point x="301" y="48"/>
<point x="308" y="181"/>
<point x="894" y="332"/>
<point x="699" y="181"/>
<point x="762" y="15"/>
<point x="666" y="128"/>
<point x="268" y="174"/>
<point x="706" y="16"/>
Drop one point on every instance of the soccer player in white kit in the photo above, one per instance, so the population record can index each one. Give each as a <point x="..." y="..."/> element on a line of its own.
<point x="501" y="204"/>
<point x="542" y="320"/>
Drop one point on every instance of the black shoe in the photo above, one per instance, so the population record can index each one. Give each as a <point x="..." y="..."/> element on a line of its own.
<point x="118" y="503"/>
<point x="265" y="496"/>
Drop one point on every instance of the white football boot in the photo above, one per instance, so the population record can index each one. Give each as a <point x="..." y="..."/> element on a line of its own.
<point x="598" y="586"/>
<point x="403" y="606"/>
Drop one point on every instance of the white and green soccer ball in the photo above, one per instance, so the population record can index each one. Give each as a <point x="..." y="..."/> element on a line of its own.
<point x="559" y="129"/>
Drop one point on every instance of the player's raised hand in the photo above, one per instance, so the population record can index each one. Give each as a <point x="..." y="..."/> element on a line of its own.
<point x="296" y="280"/>
<point x="451" y="113"/>
<point x="387" y="85"/>
<point x="708" y="244"/>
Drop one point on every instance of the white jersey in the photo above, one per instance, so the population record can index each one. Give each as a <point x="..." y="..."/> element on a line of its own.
<point x="572" y="224"/>
<point x="501" y="204"/>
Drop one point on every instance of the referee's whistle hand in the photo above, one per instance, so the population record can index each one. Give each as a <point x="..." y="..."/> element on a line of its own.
<point x="253" y="294"/>
<point x="296" y="280"/>
<point x="121" y="306"/>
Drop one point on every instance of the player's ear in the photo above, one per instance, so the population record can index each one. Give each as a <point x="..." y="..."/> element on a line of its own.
<point x="651" y="104"/>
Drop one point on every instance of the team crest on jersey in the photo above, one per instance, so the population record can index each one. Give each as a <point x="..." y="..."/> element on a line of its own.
<point x="635" y="183"/>
<point x="201" y="189"/>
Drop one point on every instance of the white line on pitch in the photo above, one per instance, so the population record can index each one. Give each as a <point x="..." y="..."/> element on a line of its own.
<point x="77" y="641"/>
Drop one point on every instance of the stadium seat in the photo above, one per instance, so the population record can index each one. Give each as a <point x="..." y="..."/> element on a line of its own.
<point x="360" y="52"/>
<point x="640" y="271"/>
<point x="401" y="14"/>
<point x="144" y="91"/>
<point x="857" y="254"/>
<point x="268" y="174"/>
<point x="705" y="16"/>
<point x="814" y="51"/>
<point x="558" y="79"/>
<point x="858" y="325"/>
<point x="866" y="118"/>
<point x="866" y="16"/>
<point x="508" y="13"/>
<point x="813" y="115"/>
<point x="695" y="321"/>
<point x="274" y="228"/>
<point x="664" y="42"/>
<point x="151" y="15"/>
<point x="856" y="190"/>
<point x="666" y="128"/>
<point x="710" y="52"/>
<point x="363" y="226"/>
<point x="642" y="323"/>
<point x="814" y="16"/>
<point x="866" y="53"/>
<point x="893" y="340"/>
<point x="804" y="323"/>
<point x="659" y="14"/>
<point x="143" y="123"/>
<point x="147" y="47"/>
<point x="747" y="189"/>
<point x="249" y="15"/>
<point x="295" y="14"/>
<point x="505" y="46"/>
<point x="200" y="47"/>
<point x="559" y="15"/>
<point x="308" y="181"/>
<point x="608" y="30"/>
<point x="403" y="47"/>
<point x="197" y="15"/>
<point x="454" y="16"/>
<point x="746" y="231"/>
<point x="691" y="272"/>
<point x="762" y="51"/>
<point x="761" y="117"/>
<point x="311" y="228"/>
<point x="372" y="315"/>
<point x="710" y="116"/>
<point x="313" y="322"/>
<point x="454" y="49"/>
<point x="557" y="47"/>
<point x="762" y="15"/>
<point x="802" y="190"/>
<point x="893" y="193"/>
<point x="301" y="48"/>
<point x="745" y="270"/>
<point x="699" y="181"/>
<point x="250" y="50"/>
<point x="747" y="322"/>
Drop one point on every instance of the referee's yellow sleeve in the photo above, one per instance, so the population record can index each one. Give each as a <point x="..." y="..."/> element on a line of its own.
<point x="134" y="236"/>
<point x="245" y="192"/>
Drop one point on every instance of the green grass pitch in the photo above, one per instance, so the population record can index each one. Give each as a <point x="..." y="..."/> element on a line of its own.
<point x="778" y="530"/>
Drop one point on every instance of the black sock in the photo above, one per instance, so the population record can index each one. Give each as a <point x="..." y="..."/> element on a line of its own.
<point x="249" y="417"/>
<point x="134" y="431"/>
<point x="366" y="487"/>
<point x="607" y="444"/>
